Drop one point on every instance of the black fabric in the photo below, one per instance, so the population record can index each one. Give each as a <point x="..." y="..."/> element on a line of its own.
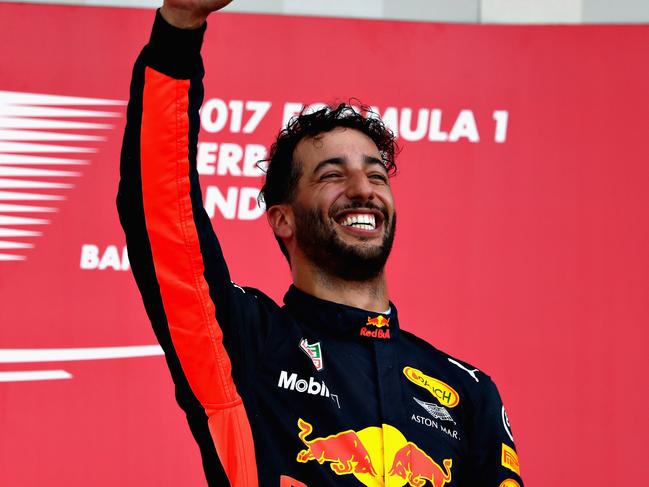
<point x="173" y="51"/>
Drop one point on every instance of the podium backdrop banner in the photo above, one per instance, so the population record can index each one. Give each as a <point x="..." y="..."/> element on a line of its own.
<point x="522" y="243"/>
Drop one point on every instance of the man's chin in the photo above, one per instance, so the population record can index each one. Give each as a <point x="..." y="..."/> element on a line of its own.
<point x="363" y="247"/>
<point x="357" y="261"/>
<point x="363" y="253"/>
<point x="360" y="239"/>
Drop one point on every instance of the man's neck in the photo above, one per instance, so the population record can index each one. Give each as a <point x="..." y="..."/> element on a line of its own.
<point x="371" y="294"/>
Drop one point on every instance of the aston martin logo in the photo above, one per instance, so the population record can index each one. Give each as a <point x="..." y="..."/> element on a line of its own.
<point x="437" y="412"/>
<point x="45" y="142"/>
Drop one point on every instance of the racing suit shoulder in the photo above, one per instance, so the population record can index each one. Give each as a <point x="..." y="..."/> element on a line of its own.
<point x="492" y="455"/>
<point x="201" y="319"/>
<point x="459" y="371"/>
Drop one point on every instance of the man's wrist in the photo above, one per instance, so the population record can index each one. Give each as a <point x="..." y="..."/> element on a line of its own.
<point x="182" y="18"/>
<point x="172" y="38"/>
<point x="175" y="51"/>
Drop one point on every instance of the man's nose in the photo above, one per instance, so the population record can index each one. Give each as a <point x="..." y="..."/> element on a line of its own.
<point x="359" y="187"/>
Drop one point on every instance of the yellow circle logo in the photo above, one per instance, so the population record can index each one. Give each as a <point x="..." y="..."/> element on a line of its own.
<point x="444" y="393"/>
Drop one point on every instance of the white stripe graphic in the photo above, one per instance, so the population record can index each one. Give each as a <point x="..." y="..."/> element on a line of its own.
<point x="31" y="375"/>
<point x="22" y="147"/>
<point x="20" y="98"/>
<point x="9" y="110"/>
<point x="21" y="220"/>
<point x="39" y="135"/>
<point x="10" y="257"/>
<point x="15" y="196"/>
<point x="28" y="172"/>
<point x="37" y="160"/>
<point x="19" y="183"/>
<point x="12" y="232"/>
<point x="26" y="209"/>
<point x="15" y="245"/>
<point x="43" y="123"/>
<point x="30" y="355"/>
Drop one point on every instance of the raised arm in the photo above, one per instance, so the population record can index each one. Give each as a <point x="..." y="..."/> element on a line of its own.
<point x="175" y="256"/>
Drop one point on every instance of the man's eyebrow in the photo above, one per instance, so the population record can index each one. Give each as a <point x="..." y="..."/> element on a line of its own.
<point x="337" y="161"/>
<point x="340" y="161"/>
<point x="373" y="160"/>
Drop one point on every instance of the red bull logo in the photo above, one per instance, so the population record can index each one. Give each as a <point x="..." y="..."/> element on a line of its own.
<point x="363" y="454"/>
<point x="509" y="483"/>
<point x="414" y="465"/>
<point x="344" y="450"/>
<point x="366" y="332"/>
<point x="380" y="321"/>
<point x="377" y="332"/>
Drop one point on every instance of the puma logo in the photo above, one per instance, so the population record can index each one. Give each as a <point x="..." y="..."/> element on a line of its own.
<point x="470" y="372"/>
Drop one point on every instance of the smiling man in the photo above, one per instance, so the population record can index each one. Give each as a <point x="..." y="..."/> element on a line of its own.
<point x="335" y="218"/>
<point x="326" y="389"/>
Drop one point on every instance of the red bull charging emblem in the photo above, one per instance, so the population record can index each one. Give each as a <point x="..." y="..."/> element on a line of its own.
<point x="365" y="455"/>
<point x="377" y="324"/>
<point x="380" y="321"/>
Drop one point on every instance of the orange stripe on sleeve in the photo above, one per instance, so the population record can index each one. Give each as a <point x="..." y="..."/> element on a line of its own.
<point x="179" y="268"/>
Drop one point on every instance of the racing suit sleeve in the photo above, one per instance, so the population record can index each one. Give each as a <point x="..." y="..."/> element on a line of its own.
<point x="495" y="461"/>
<point x="199" y="317"/>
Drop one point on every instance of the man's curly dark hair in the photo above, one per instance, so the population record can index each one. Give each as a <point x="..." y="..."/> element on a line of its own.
<point x="282" y="174"/>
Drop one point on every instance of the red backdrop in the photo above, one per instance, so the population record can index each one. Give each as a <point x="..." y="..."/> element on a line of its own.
<point x="522" y="240"/>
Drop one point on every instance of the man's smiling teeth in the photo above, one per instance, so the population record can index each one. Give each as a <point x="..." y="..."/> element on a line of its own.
<point x="364" y="221"/>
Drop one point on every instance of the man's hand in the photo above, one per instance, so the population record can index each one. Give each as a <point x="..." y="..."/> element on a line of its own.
<point x="190" y="14"/>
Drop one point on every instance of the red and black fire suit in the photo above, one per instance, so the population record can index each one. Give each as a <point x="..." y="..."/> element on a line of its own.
<point x="310" y="393"/>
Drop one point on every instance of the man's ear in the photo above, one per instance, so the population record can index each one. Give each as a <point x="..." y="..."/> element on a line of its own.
<point x="282" y="220"/>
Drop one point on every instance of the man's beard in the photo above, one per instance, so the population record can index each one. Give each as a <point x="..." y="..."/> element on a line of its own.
<point x="327" y="251"/>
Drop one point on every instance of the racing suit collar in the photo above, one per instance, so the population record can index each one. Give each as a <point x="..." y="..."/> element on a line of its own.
<point x="341" y="320"/>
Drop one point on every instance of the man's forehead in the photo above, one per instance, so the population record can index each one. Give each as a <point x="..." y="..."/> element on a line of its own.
<point x="341" y="142"/>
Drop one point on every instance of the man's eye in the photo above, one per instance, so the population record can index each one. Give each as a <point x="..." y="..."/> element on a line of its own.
<point x="330" y="175"/>
<point x="379" y="177"/>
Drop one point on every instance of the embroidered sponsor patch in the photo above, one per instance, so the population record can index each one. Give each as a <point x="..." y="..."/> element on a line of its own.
<point x="471" y="372"/>
<point x="378" y="327"/>
<point x="510" y="459"/>
<point x="380" y="321"/>
<point x="444" y="393"/>
<point x="314" y="352"/>
<point x="366" y="332"/>
<point x="312" y="386"/>
<point x="437" y="412"/>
